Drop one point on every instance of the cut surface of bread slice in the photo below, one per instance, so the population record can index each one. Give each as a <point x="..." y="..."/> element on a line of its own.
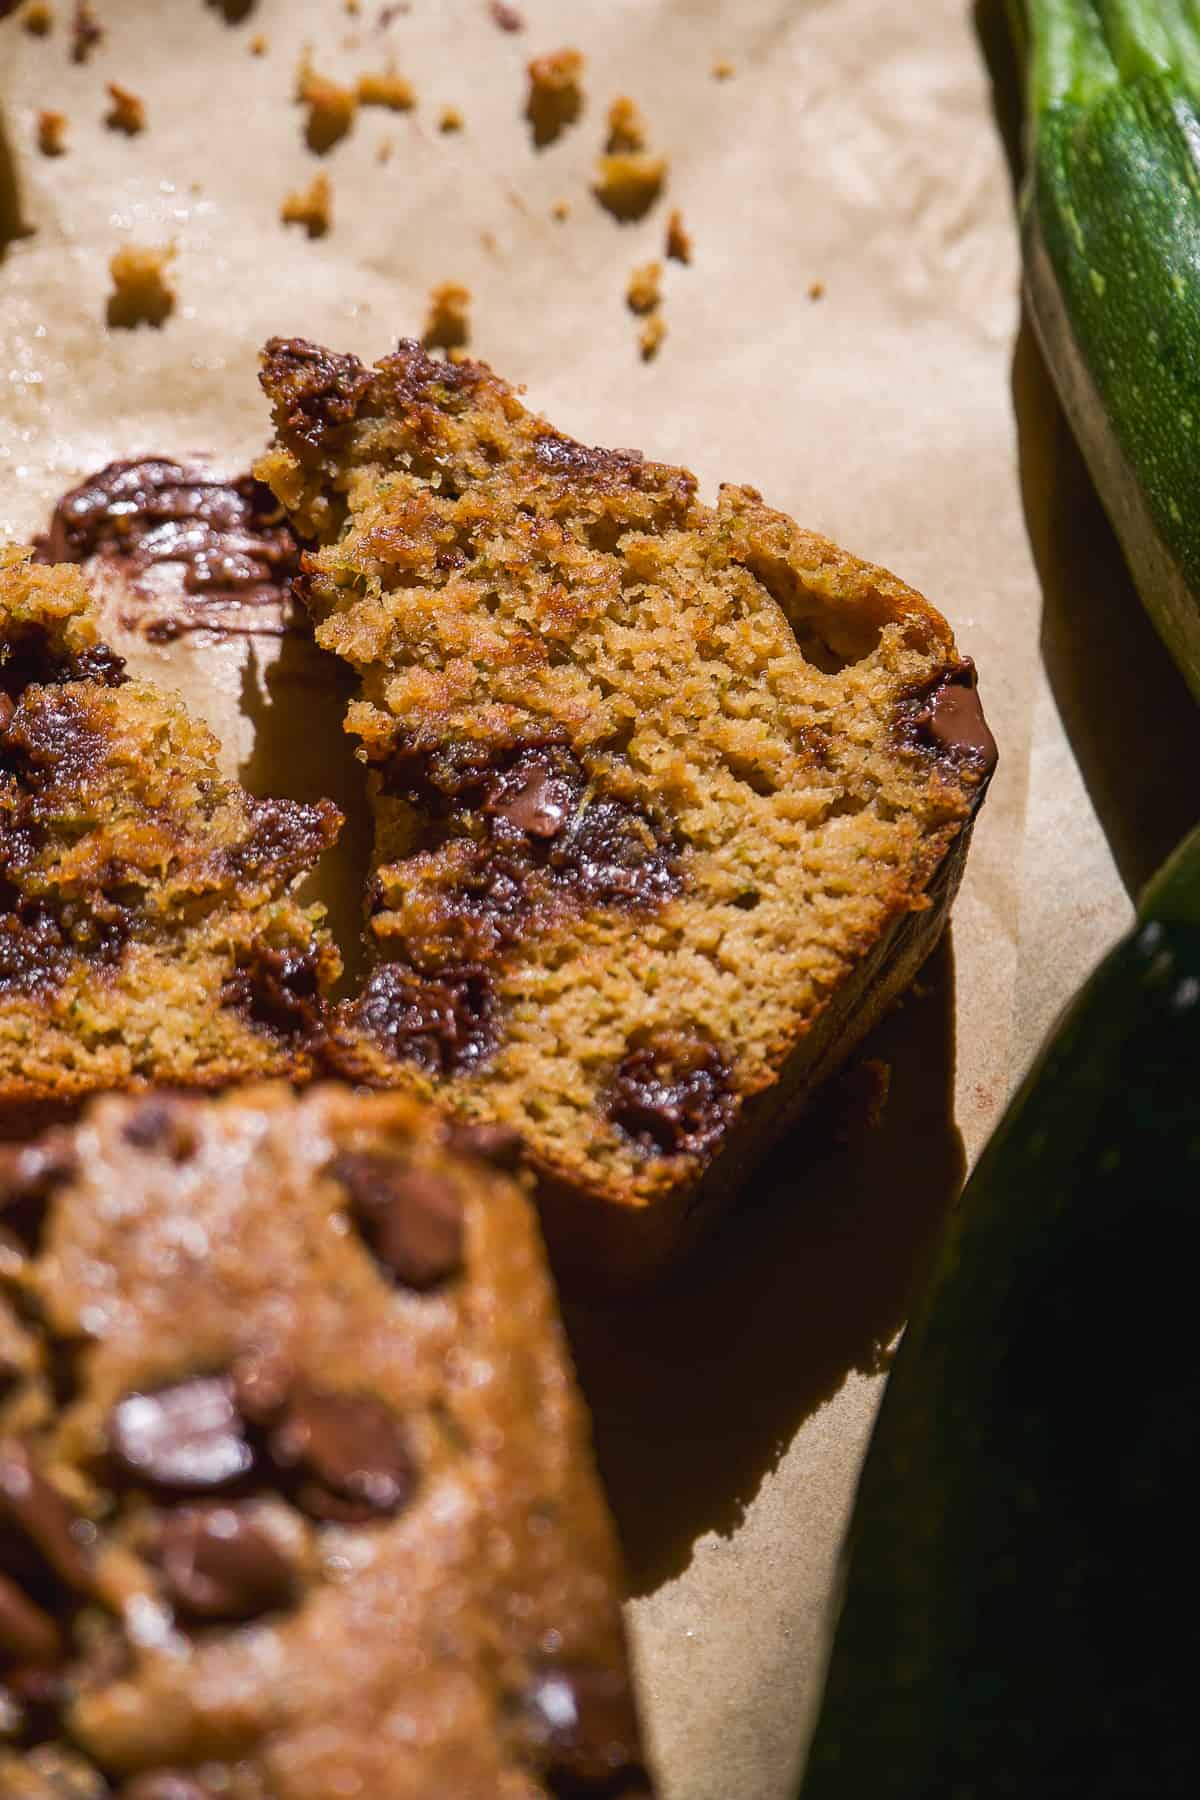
<point x="148" y="931"/>
<point x="671" y="799"/>
<point x="297" y="1499"/>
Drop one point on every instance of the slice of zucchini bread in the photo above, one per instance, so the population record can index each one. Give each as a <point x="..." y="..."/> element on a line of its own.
<point x="148" y="931"/>
<point x="671" y="799"/>
<point x="296" y="1494"/>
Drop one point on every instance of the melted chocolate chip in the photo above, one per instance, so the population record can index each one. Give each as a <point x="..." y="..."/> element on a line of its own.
<point x="443" y="1022"/>
<point x="29" y="1175"/>
<point x="217" y="1562"/>
<point x="533" y="798"/>
<point x="583" y="1721"/>
<point x="286" y="838"/>
<point x="672" y="1095"/>
<point x="31" y="1506"/>
<point x="350" y="1452"/>
<point x="278" y="990"/>
<point x="27" y="1634"/>
<point x="28" y="659"/>
<point x="313" y="392"/>
<point x="187" y="1439"/>
<point x="499" y="1145"/>
<point x="216" y="545"/>
<point x="163" y="1125"/>
<point x="947" y="717"/>
<point x="38" y="944"/>
<point x="411" y="1217"/>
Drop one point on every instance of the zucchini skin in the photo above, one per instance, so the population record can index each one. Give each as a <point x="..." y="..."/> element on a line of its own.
<point x="1111" y="230"/>
<point x="1017" y="1615"/>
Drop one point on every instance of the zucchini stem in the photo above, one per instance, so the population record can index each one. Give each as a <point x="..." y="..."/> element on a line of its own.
<point x="1069" y="56"/>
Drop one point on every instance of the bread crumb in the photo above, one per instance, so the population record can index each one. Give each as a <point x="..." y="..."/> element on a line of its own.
<point x="52" y="133"/>
<point x="650" y="337"/>
<point x="311" y="207"/>
<point x="679" y="238"/>
<point x="447" y="326"/>
<point x="395" y="11"/>
<point x="628" y="184"/>
<point x="141" y="293"/>
<point x="488" y="240"/>
<point x="259" y="45"/>
<point x="86" y="32"/>
<point x="331" y="108"/>
<point x="127" y="113"/>
<point x="38" y="18"/>
<point x="816" y="290"/>
<point x="450" y="119"/>
<point x="644" y="291"/>
<point x="723" y="70"/>
<point x="560" y="211"/>
<point x="626" y="130"/>
<point x="384" y="152"/>
<point x="555" y="94"/>
<point x="353" y="7"/>
<point x="386" y="89"/>
<point x="505" y="16"/>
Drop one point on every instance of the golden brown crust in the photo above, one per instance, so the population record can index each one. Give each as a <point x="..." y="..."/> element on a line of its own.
<point x="654" y="781"/>
<point x="314" y="1505"/>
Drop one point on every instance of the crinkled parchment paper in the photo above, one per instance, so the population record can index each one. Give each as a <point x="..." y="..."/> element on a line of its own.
<point x="853" y="146"/>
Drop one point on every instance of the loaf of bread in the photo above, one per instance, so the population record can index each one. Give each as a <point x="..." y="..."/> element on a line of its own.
<point x="296" y="1493"/>
<point x="671" y="799"/>
<point x="148" y="929"/>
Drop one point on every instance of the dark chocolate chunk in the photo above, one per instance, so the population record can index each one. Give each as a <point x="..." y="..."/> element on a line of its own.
<point x="499" y="1145"/>
<point x="29" y="1174"/>
<point x="947" y="717"/>
<point x="441" y="1022"/>
<point x="27" y="1634"/>
<point x="411" y="1217"/>
<point x="217" y="1562"/>
<point x="350" y="1452"/>
<point x="188" y="1439"/>
<point x="286" y="838"/>
<point x="534" y="797"/>
<point x="673" y="1095"/>
<point x="32" y="1506"/>
<point x="584" y="1723"/>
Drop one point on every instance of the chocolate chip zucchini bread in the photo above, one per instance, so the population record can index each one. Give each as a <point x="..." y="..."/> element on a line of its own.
<point x="296" y="1494"/>
<point x="671" y="799"/>
<point x="148" y="930"/>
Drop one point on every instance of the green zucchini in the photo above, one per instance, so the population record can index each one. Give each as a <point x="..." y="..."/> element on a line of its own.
<point x="1111" y="227"/>
<point x="1018" y="1611"/>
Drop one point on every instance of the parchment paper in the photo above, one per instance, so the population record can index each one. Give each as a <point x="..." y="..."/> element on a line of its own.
<point x="853" y="146"/>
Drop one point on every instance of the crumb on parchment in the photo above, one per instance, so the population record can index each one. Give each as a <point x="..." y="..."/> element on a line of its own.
<point x="259" y="44"/>
<point x="723" y="69"/>
<point x="628" y="184"/>
<point x="644" y="291"/>
<point x="384" y="152"/>
<point x="86" y="31"/>
<point x="626" y="128"/>
<point x="650" y="338"/>
<point x="816" y="290"/>
<point x="386" y="89"/>
<point x="311" y="207"/>
<point x="141" y="292"/>
<point x="450" y="119"/>
<point x="560" y="210"/>
<point x="38" y="18"/>
<point x="505" y="16"/>
<point x="555" y="94"/>
<point x="52" y="133"/>
<point x="679" y="238"/>
<point x="331" y="107"/>
<point x="447" y="326"/>
<point x="127" y="112"/>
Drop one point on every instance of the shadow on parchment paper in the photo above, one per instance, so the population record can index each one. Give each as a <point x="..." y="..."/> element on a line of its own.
<point x="11" y="225"/>
<point x="1132" y="724"/>
<point x="296" y="703"/>
<point x="695" y="1397"/>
